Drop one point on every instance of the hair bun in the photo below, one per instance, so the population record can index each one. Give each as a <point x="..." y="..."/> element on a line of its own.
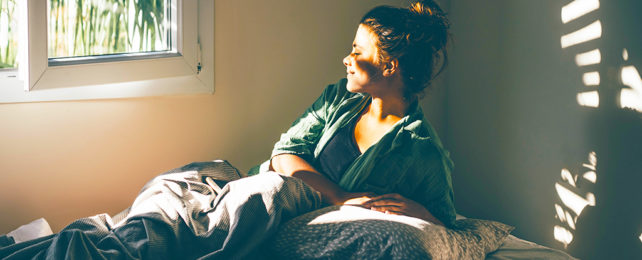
<point x="421" y="8"/>
<point x="430" y="24"/>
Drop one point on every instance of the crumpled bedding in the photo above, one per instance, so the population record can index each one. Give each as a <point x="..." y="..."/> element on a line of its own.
<point x="178" y="216"/>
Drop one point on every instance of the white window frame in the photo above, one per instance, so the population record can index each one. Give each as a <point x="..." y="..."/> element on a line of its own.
<point x="189" y="71"/>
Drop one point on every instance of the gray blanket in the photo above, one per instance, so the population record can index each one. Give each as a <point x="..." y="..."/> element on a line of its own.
<point x="178" y="215"/>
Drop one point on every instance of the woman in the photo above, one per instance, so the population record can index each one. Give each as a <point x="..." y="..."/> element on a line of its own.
<point x="366" y="135"/>
<point x="363" y="142"/>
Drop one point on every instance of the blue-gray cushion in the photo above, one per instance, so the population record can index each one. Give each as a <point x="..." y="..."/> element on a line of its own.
<point x="349" y="232"/>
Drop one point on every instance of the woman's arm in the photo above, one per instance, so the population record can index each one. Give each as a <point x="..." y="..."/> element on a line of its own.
<point x="295" y="166"/>
<point x="396" y="204"/>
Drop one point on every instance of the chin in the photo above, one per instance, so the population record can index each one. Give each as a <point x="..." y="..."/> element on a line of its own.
<point x="353" y="87"/>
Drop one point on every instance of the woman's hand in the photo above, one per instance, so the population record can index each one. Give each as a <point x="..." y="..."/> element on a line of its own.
<point x="396" y="204"/>
<point x="356" y="198"/>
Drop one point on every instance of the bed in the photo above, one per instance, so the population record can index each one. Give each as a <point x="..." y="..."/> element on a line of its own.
<point x="172" y="218"/>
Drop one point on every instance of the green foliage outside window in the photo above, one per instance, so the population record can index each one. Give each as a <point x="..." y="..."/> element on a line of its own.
<point x="92" y="27"/>
<point x="96" y="27"/>
<point x="8" y="34"/>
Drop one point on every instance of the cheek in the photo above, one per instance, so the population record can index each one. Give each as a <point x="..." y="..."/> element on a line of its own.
<point x="366" y="67"/>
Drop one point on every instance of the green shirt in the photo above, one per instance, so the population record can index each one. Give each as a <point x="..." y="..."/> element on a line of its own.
<point x="409" y="159"/>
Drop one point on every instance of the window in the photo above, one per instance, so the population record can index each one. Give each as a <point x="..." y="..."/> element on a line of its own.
<point x="8" y="34"/>
<point x="75" y="49"/>
<point x="101" y="28"/>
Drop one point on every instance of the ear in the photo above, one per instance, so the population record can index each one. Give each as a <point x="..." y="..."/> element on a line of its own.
<point x="390" y="68"/>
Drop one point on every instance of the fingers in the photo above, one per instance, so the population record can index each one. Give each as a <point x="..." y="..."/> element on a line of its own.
<point x="384" y="202"/>
<point x="388" y="206"/>
<point x="389" y="196"/>
<point x="355" y="203"/>
<point x="391" y="203"/>
<point x="387" y="199"/>
<point x="358" y="201"/>
<point x="394" y="210"/>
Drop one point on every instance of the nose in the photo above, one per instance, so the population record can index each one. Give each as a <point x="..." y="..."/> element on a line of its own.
<point x="346" y="61"/>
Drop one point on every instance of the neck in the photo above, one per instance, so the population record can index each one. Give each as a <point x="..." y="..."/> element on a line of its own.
<point x="388" y="106"/>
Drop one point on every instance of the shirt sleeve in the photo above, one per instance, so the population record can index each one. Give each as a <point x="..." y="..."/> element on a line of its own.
<point x="435" y="191"/>
<point x="304" y="134"/>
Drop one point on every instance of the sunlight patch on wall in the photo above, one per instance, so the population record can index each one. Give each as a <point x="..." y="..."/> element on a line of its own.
<point x="563" y="235"/>
<point x="591" y="78"/>
<point x="588" y="58"/>
<point x="588" y="99"/>
<point x="573" y="197"/>
<point x="631" y="97"/>
<point x="588" y="33"/>
<point x="572" y="203"/>
<point x="572" y="11"/>
<point x="578" y="8"/>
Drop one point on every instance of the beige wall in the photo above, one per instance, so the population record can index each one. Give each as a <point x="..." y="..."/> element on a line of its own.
<point x="66" y="160"/>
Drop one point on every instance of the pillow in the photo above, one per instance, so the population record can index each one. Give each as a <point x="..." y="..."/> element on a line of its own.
<point x="350" y="232"/>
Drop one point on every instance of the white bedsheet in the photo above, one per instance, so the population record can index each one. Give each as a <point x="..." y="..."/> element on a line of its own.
<point x="516" y="248"/>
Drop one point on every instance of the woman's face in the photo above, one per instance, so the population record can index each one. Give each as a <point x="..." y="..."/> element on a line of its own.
<point x="364" y="72"/>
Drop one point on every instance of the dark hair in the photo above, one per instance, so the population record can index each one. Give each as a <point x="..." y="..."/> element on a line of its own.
<point x="415" y="36"/>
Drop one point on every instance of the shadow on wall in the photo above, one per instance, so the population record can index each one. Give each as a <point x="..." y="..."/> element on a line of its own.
<point x="598" y="213"/>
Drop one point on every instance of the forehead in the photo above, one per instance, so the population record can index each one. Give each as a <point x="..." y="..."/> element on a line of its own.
<point x="365" y="38"/>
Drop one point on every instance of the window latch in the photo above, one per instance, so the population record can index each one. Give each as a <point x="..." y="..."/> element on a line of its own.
<point x="199" y="58"/>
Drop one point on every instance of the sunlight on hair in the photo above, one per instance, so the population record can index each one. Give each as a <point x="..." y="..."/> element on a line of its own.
<point x="591" y="78"/>
<point x="578" y="8"/>
<point x="588" y="58"/>
<point x="563" y="235"/>
<point x="590" y="32"/>
<point x="631" y="97"/>
<point x="588" y="99"/>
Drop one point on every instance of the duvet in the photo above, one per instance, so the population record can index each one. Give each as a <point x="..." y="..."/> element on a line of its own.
<point x="178" y="215"/>
<point x="204" y="210"/>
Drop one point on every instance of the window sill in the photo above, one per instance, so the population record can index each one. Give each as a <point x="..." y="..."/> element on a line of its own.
<point x="184" y="85"/>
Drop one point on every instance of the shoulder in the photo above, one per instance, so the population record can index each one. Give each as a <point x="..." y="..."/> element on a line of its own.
<point x="426" y="143"/>
<point x="420" y="128"/>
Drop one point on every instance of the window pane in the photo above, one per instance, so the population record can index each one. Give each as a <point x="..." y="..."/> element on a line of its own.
<point x="8" y="34"/>
<point x="97" y="27"/>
